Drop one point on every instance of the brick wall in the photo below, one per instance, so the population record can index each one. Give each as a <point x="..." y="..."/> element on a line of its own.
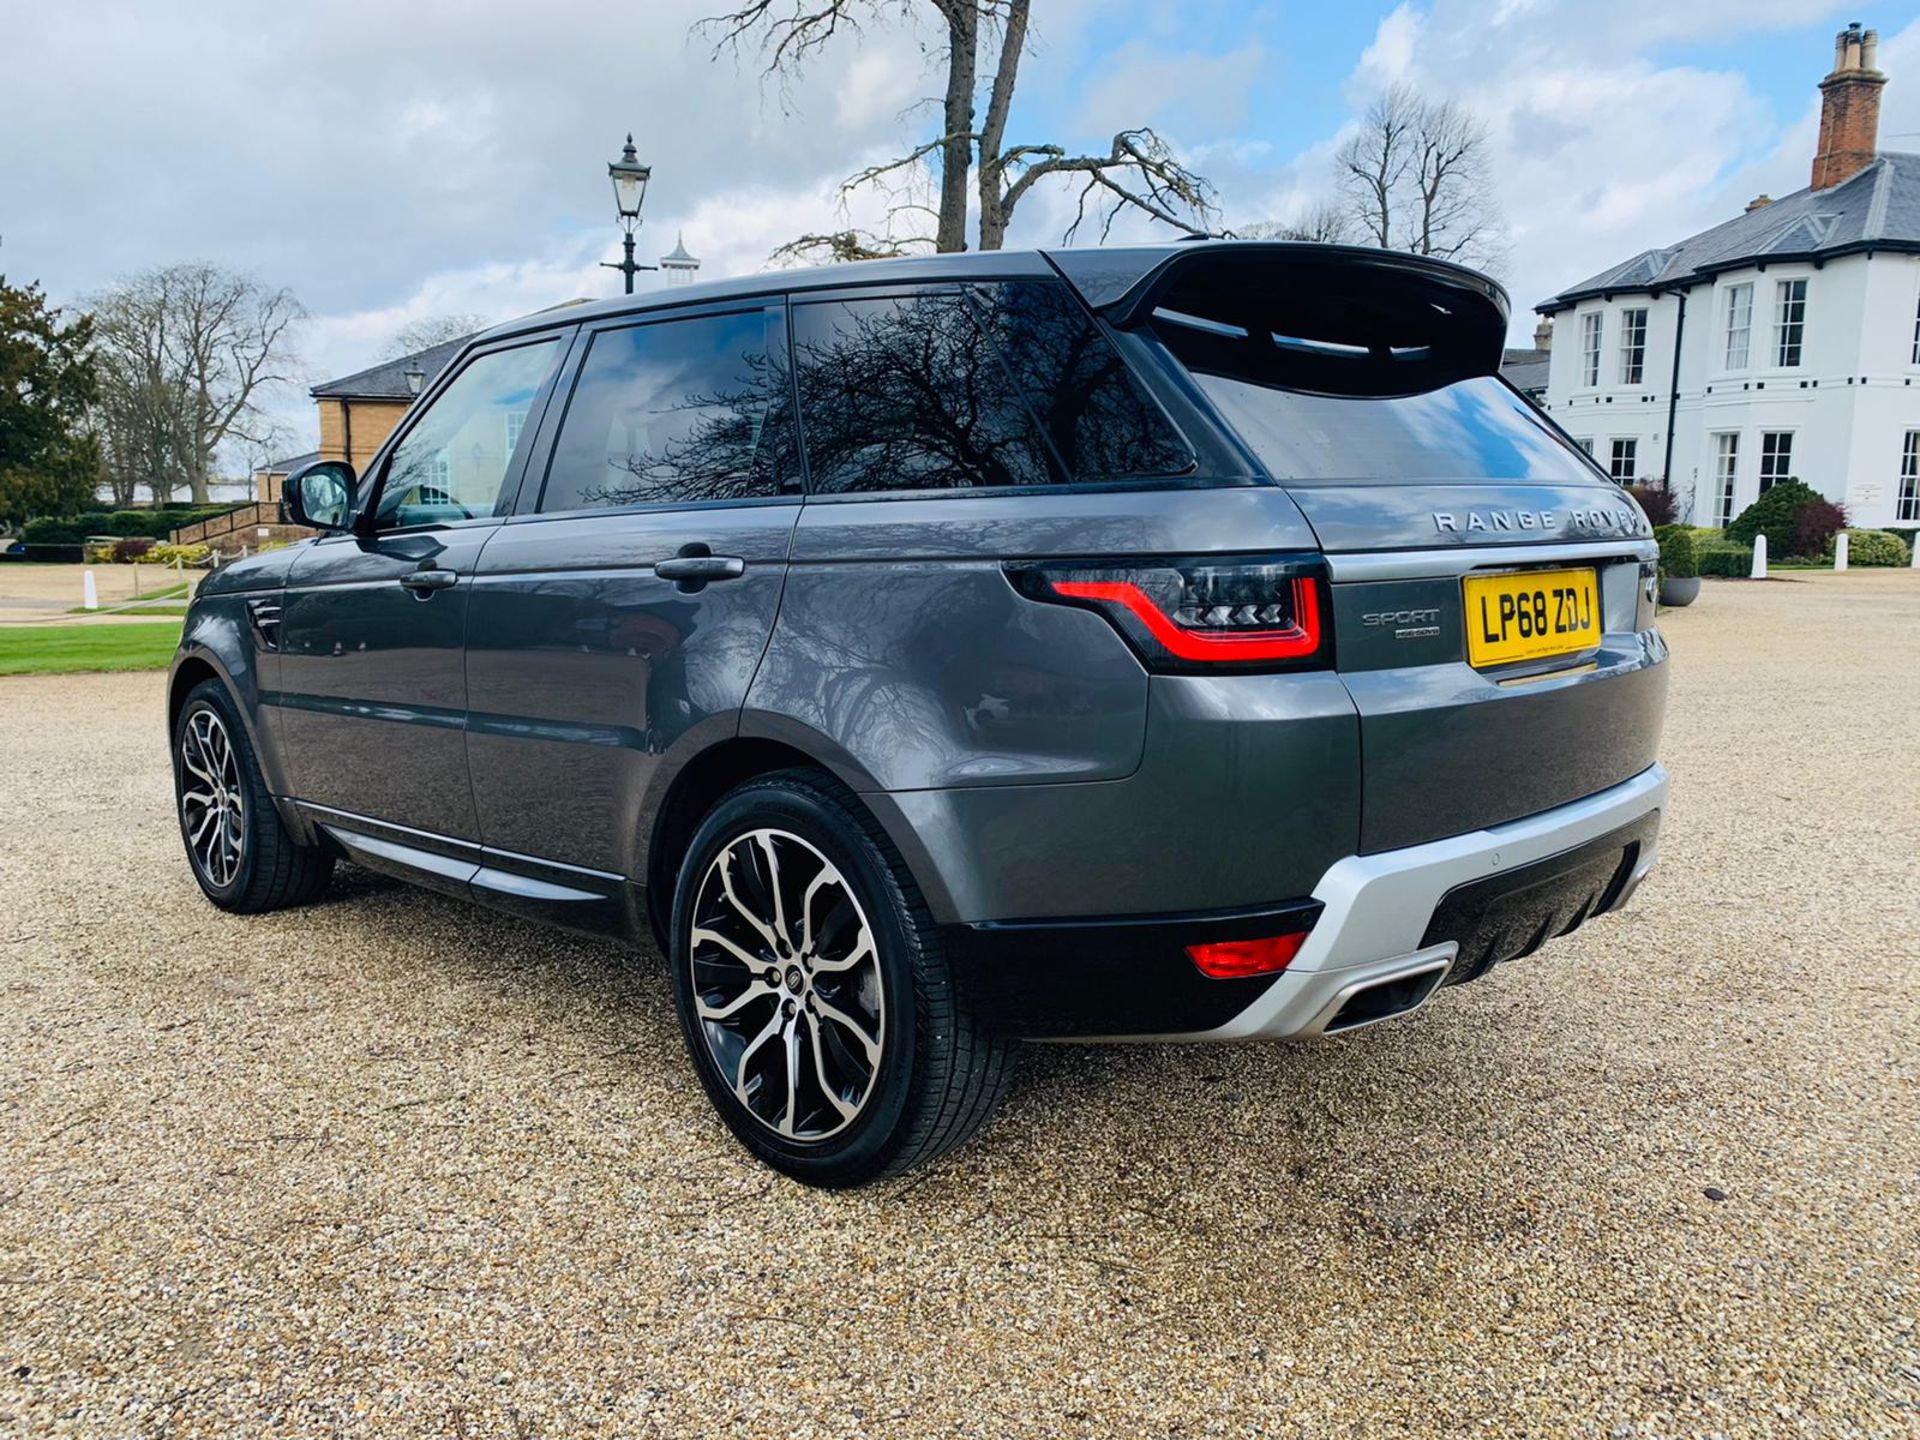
<point x="368" y="421"/>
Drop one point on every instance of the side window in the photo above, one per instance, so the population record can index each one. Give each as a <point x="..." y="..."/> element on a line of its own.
<point x="676" y="412"/>
<point x="907" y="393"/>
<point x="1102" y="422"/>
<point x="453" y="463"/>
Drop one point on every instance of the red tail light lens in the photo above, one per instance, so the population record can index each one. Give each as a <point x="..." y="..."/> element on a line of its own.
<point x="1264" y="613"/>
<point x="1235" y="959"/>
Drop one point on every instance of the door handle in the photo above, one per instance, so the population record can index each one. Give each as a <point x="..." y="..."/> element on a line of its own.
<point x="425" y="582"/>
<point x="700" y="568"/>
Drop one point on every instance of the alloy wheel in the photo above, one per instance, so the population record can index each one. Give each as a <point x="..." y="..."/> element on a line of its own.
<point x="213" y="807"/>
<point x="787" y="985"/>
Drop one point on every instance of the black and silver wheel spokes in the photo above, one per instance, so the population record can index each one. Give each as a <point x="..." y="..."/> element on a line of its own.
<point x="786" y="984"/>
<point x="213" y="807"/>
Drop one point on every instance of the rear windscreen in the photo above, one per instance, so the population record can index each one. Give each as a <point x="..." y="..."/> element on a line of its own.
<point x="1357" y="368"/>
<point x="1472" y="429"/>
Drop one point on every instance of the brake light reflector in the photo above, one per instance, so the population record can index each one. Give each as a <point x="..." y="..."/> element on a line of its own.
<point x="1236" y="959"/>
<point x="1257" y="613"/>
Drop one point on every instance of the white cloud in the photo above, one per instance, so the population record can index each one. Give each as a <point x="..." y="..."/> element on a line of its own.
<point x="1602" y="146"/>
<point x="1191" y="92"/>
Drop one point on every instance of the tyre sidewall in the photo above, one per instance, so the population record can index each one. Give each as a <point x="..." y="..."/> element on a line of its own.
<point x="865" y="1147"/>
<point x="212" y="695"/>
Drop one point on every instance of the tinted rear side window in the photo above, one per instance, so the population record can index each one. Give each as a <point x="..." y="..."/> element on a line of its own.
<point x="1100" y="420"/>
<point x="907" y="393"/>
<point x="676" y="412"/>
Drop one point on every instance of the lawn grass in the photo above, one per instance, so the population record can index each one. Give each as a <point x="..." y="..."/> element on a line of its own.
<point x="67" y="649"/>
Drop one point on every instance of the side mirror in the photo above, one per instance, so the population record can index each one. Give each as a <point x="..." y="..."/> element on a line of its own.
<point x="320" y="496"/>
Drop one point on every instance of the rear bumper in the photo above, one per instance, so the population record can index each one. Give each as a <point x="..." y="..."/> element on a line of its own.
<point x="1390" y="929"/>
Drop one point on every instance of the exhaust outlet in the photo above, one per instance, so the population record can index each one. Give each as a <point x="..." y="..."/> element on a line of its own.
<point x="1383" y="997"/>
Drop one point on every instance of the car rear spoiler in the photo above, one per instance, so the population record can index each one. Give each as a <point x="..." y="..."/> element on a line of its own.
<point x="1335" y="319"/>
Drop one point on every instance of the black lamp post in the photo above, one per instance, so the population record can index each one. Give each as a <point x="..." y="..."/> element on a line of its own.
<point x="416" y="378"/>
<point x="629" y="191"/>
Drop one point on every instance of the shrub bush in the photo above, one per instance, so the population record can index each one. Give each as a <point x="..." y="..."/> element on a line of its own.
<point x="1908" y="534"/>
<point x="1728" y="562"/>
<point x="1814" y="525"/>
<point x="1658" y="503"/>
<point x="1772" y="515"/>
<point x="119" y="552"/>
<point x="1874" y="547"/>
<point x="187" y="555"/>
<point x="127" y="550"/>
<point x="1678" y="557"/>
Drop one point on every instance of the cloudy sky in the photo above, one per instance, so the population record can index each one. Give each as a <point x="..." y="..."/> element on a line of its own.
<point x="391" y="162"/>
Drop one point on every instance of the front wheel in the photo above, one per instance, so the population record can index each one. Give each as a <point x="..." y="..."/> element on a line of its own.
<point x="241" y="853"/>
<point x="813" y="992"/>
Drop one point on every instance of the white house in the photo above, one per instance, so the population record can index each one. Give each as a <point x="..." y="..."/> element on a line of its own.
<point x="1785" y="342"/>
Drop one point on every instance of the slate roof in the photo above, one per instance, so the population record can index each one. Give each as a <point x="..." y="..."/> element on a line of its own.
<point x="1526" y="369"/>
<point x="388" y="379"/>
<point x="290" y="464"/>
<point x="1878" y="209"/>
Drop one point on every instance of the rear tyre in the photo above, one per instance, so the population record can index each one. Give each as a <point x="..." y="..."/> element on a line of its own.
<point x="240" y="852"/>
<point x="813" y="992"/>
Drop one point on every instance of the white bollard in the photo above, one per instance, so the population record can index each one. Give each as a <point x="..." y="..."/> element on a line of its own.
<point x="1840" y="551"/>
<point x="1913" y="554"/>
<point x="1759" y="558"/>
<point x="89" y="592"/>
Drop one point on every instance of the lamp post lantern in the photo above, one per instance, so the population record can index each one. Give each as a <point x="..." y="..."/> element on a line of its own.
<point x="629" y="178"/>
<point x="416" y="378"/>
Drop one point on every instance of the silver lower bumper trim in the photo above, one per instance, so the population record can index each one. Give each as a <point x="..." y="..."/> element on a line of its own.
<point x="1378" y="906"/>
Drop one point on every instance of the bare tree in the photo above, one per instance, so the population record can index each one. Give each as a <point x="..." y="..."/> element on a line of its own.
<point x="1323" y="222"/>
<point x="1454" y="213"/>
<point x="1138" y="172"/>
<point x="840" y="245"/>
<point x="418" y="335"/>
<point x="1414" y="177"/>
<point x="1373" y="164"/>
<point x="185" y="352"/>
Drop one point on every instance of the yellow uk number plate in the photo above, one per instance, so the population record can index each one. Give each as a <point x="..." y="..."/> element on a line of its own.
<point x="1531" y="615"/>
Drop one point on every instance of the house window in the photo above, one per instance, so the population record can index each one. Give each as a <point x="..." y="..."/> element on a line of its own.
<point x="1789" y="321"/>
<point x="1633" y="346"/>
<point x="1623" y="466"/>
<point x="436" y="487"/>
<point x="1590" y="348"/>
<point x="1586" y="444"/>
<point x="1776" y="458"/>
<point x="1739" y="325"/>
<point x="1726" y="470"/>
<point x="515" y="419"/>
<point x="1910" y="478"/>
<point x="1916" y="333"/>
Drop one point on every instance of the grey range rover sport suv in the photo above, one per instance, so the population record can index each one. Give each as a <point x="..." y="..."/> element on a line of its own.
<point x="1193" y="642"/>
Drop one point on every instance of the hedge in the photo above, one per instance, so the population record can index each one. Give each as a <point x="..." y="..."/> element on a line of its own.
<point x="1875" y="547"/>
<point x="1679" y="558"/>
<point x="1729" y="562"/>
<point x="157" y="524"/>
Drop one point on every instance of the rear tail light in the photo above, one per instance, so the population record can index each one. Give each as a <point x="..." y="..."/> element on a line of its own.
<point x="1234" y="959"/>
<point x="1259" y="613"/>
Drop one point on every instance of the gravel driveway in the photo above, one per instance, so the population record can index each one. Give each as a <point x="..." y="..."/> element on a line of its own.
<point x="396" y="1166"/>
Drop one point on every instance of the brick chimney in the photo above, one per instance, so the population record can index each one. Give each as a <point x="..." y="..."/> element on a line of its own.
<point x="1849" y="108"/>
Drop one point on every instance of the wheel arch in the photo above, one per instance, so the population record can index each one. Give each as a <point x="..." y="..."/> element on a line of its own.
<point x="696" y="784"/>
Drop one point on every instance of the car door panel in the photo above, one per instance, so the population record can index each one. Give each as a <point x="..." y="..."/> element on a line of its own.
<point x="372" y="698"/>
<point x="585" y="666"/>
